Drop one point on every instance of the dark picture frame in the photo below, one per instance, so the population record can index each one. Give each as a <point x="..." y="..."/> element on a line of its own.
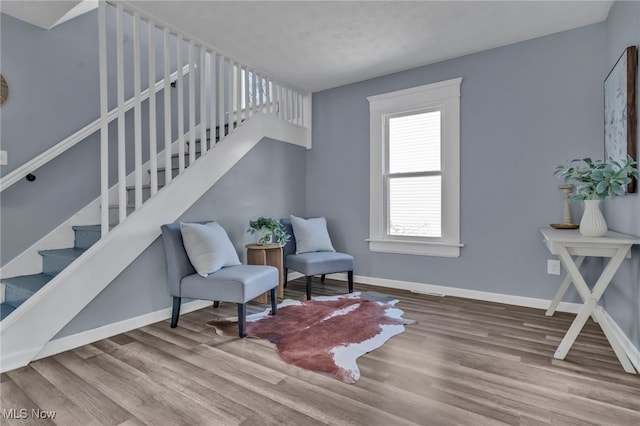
<point x="620" y="118"/>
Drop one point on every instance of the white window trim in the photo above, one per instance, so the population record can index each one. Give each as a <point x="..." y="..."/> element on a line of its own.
<point x="443" y="95"/>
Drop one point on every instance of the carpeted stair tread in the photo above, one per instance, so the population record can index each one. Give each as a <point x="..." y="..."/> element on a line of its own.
<point x="54" y="261"/>
<point x="89" y="228"/>
<point x="5" y="310"/>
<point x="31" y="283"/>
<point x="65" y="253"/>
<point x="20" y="288"/>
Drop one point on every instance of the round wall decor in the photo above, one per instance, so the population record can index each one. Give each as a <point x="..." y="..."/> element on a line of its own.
<point x="4" y="90"/>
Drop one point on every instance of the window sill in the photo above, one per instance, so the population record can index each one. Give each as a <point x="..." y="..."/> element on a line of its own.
<point x="419" y="248"/>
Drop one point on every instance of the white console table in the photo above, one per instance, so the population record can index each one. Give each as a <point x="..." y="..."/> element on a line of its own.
<point x="566" y="243"/>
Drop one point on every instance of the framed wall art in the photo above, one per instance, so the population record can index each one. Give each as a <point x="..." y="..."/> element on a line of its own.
<point x="620" y="118"/>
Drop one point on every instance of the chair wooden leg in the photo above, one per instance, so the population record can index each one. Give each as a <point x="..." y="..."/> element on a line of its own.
<point x="242" y="316"/>
<point x="322" y="278"/>
<point x="309" y="278"/>
<point x="286" y="276"/>
<point x="350" y="278"/>
<point x="274" y="301"/>
<point x="176" y="311"/>
<point x="216" y="303"/>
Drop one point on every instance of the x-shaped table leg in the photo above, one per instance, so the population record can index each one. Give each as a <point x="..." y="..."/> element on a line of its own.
<point x="591" y="299"/>
<point x="563" y="289"/>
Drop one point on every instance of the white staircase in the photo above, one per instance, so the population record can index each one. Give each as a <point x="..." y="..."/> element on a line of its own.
<point x="242" y="105"/>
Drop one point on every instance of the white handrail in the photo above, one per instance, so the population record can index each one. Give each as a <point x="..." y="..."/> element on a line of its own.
<point x="70" y="141"/>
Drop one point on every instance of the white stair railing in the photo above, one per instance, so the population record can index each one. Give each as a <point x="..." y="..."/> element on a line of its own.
<point x="220" y="95"/>
<point x="229" y="93"/>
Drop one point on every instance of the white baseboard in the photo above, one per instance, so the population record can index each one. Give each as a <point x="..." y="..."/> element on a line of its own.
<point x="438" y="290"/>
<point x="632" y="352"/>
<point x="530" y="302"/>
<point x="84" y="338"/>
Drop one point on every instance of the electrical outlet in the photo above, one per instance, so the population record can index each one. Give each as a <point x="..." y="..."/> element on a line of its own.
<point x="3" y="158"/>
<point x="553" y="267"/>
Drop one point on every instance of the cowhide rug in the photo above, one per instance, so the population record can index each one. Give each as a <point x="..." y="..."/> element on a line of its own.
<point x="326" y="334"/>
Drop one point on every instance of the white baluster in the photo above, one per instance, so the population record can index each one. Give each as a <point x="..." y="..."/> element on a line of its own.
<point x="192" y="105"/>
<point x="104" y="124"/>
<point x="122" y="159"/>
<point x="231" y="96"/>
<point x="214" y="99"/>
<point x="153" y="149"/>
<point x="247" y="101"/>
<point x="203" y="102"/>
<point x="180" y="84"/>
<point x="137" y="113"/>
<point x="221" y="96"/>
<point x="239" y="94"/>
<point x="267" y="95"/>
<point x="276" y="94"/>
<point x="255" y="92"/>
<point x="168" y="172"/>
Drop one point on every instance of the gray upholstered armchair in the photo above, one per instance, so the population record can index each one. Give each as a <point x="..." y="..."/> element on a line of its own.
<point x="238" y="284"/>
<point x="315" y="262"/>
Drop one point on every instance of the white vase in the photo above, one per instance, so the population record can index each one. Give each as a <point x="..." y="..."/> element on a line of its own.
<point x="592" y="223"/>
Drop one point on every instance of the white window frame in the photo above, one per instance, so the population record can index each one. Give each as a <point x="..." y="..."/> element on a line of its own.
<point x="445" y="97"/>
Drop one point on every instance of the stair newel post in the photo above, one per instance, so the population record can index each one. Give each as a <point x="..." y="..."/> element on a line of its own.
<point x="192" y="104"/>
<point x="104" y="123"/>
<point x="203" y="101"/>
<point x="137" y="111"/>
<point x="153" y="149"/>
<point x="166" y="50"/>
<point x="122" y="159"/>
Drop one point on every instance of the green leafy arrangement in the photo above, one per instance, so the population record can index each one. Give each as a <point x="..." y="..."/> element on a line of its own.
<point x="273" y="226"/>
<point x="596" y="180"/>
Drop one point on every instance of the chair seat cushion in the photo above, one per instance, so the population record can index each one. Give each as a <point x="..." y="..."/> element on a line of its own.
<point x="237" y="284"/>
<point x="320" y="262"/>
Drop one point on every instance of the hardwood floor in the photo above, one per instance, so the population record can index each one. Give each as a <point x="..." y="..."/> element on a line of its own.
<point x="464" y="363"/>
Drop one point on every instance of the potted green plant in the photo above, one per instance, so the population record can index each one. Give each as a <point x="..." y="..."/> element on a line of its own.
<point x="268" y="230"/>
<point x="596" y="180"/>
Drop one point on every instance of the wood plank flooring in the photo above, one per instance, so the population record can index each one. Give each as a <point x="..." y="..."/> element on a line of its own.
<point x="464" y="363"/>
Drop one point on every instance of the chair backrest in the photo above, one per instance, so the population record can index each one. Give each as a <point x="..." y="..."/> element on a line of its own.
<point x="178" y="263"/>
<point x="290" y="247"/>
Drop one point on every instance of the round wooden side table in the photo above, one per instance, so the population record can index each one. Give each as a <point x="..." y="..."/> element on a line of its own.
<point x="270" y="254"/>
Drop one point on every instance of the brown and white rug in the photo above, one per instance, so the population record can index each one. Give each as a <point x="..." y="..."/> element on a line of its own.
<point x="326" y="334"/>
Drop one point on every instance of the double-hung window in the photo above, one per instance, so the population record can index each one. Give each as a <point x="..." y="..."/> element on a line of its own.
<point x="415" y="170"/>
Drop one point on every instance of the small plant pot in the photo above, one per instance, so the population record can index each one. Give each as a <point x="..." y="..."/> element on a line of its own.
<point x="265" y="236"/>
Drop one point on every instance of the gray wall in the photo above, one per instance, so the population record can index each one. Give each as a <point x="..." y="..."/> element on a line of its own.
<point x="524" y="109"/>
<point x="622" y="298"/>
<point x="268" y="181"/>
<point x="53" y="91"/>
